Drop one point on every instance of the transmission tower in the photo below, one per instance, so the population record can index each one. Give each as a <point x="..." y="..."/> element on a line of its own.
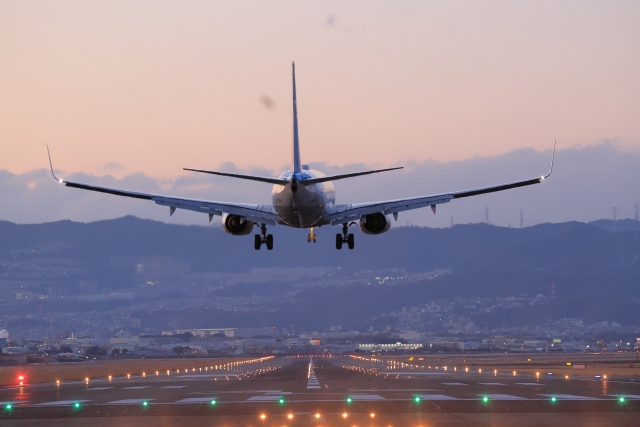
<point x="636" y="208"/>
<point x="486" y="215"/>
<point x="521" y="219"/>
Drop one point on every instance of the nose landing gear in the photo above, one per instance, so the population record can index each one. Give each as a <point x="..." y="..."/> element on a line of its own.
<point x="311" y="236"/>
<point x="345" y="237"/>
<point x="263" y="237"/>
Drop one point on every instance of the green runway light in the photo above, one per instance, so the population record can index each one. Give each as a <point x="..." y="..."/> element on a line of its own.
<point x="213" y="402"/>
<point x="76" y="405"/>
<point x="9" y="406"/>
<point x="485" y="399"/>
<point x="145" y="403"/>
<point x="416" y="399"/>
<point x="349" y="400"/>
<point x="621" y="399"/>
<point x="553" y="399"/>
<point x="281" y="401"/>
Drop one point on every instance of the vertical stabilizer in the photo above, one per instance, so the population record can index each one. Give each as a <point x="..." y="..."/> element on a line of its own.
<point x="297" y="164"/>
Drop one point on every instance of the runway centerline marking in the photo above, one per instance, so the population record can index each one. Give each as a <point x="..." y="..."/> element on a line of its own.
<point x="136" y="387"/>
<point x="63" y="402"/>
<point x="491" y="384"/>
<point x="454" y="384"/>
<point x="267" y="398"/>
<point x="436" y="397"/>
<point x="99" y="388"/>
<point x="128" y="401"/>
<point x="196" y="400"/>
<point x="367" y="397"/>
<point x="530" y="384"/>
<point x="570" y="397"/>
<point x="502" y="397"/>
<point x="175" y="386"/>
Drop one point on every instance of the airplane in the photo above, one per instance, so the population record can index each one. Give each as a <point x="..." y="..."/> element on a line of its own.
<point x="302" y="198"/>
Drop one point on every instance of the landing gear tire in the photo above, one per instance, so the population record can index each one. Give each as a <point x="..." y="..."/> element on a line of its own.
<point x="345" y="237"/>
<point x="351" y="241"/>
<point x="263" y="237"/>
<point x="339" y="241"/>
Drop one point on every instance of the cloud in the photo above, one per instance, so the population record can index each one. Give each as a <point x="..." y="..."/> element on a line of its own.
<point x="331" y="20"/>
<point x="112" y="167"/>
<point x="585" y="185"/>
<point x="268" y="103"/>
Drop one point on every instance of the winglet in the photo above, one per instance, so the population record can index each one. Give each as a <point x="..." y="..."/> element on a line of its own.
<point x="51" y="166"/>
<point x="552" y="157"/>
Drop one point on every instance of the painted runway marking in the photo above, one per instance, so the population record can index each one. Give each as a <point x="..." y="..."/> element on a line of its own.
<point x="529" y="384"/>
<point x="196" y="400"/>
<point x="136" y="388"/>
<point x="100" y="388"/>
<point x="502" y="397"/>
<point x="435" y="397"/>
<point x="175" y="386"/>
<point x="128" y="401"/>
<point x="63" y="402"/>
<point x="454" y="384"/>
<point x="312" y="382"/>
<point x="367" y="397"/>
<point x="491" y="384"/>
<point x="269" y="398"/>
<point x="570" y="397"/>
<point x="630" y="396"/>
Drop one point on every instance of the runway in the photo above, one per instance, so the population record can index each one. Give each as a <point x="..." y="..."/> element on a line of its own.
<point x="291" y="391"/>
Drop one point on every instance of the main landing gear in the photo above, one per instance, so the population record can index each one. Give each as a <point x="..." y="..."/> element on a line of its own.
<point x="263" y="237"/>
<point x="311" y="236"/>
<point x="349" y="239"/>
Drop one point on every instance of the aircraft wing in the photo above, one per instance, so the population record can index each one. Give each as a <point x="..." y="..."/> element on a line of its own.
<point x="346" y="213"/>
<point x="264" y="214"/>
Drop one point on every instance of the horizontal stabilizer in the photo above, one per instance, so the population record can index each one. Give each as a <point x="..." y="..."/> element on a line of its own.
<point x="249" y="177"/>
<point x="343" y="176"/>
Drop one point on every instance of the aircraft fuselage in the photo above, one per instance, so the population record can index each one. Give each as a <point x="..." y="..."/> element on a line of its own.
<point x="307" y="206"/>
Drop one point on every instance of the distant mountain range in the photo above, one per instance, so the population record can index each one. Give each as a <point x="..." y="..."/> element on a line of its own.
<point x="596" y="270"/>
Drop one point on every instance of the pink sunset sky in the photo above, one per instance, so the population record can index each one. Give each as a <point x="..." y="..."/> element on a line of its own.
<point x="119" y="87"/>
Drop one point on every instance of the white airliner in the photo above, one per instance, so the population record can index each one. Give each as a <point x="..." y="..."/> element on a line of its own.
<point x="302" y="198"/>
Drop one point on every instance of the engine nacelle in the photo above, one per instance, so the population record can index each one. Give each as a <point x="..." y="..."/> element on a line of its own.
<point x="236" y="225"/>
<point x="375" y="223"/>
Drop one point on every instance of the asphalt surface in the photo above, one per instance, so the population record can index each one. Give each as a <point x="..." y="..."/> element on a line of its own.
<point x="325" y="391"/>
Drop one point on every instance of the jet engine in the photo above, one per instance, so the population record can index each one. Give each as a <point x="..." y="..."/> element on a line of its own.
<point x="375" y="223"/>
<point x="236" y="225"/>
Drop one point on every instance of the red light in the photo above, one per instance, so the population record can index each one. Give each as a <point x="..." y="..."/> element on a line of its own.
<point x="21" y="377"/>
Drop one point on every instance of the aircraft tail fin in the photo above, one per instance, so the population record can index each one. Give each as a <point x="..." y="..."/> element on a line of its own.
<point x="297" y="163"/>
